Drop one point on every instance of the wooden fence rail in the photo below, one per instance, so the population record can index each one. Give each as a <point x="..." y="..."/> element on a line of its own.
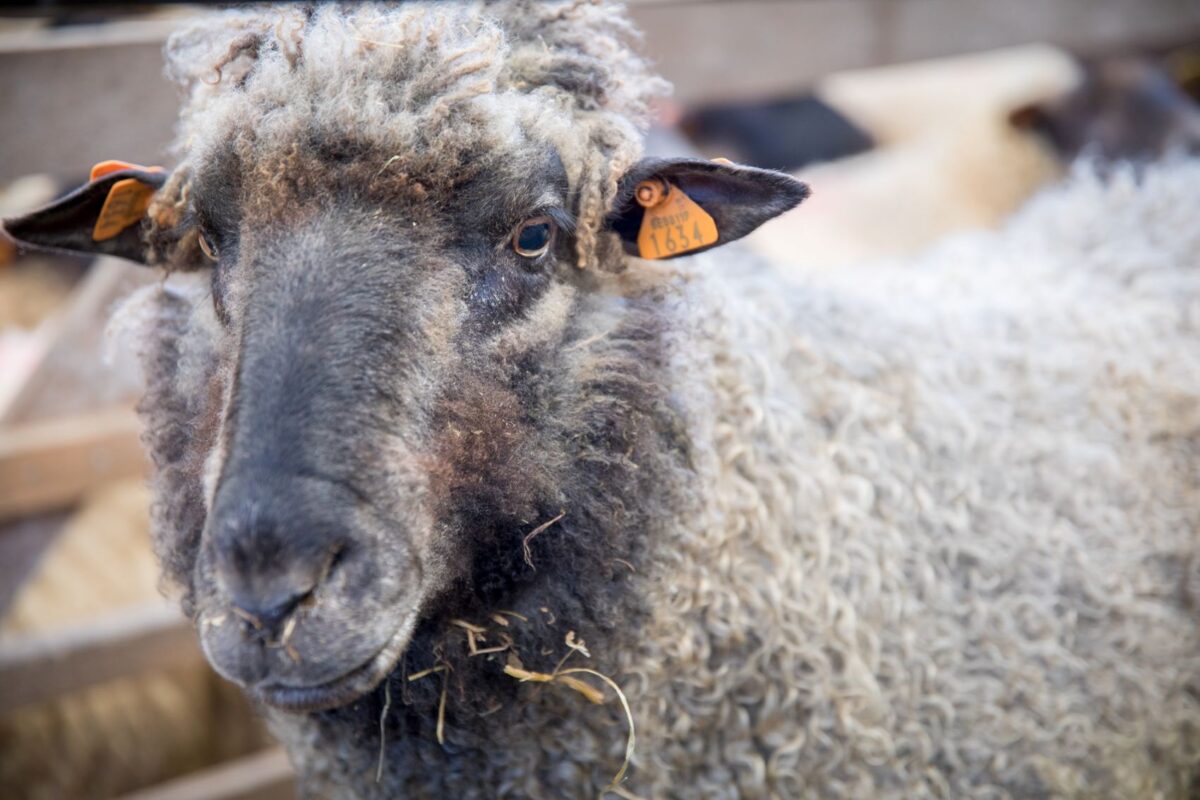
<point x="37" y="668"/>
<point x="262" y="776"/>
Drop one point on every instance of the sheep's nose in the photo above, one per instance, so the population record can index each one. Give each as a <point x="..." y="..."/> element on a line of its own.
<point x="265" y="576"/>
<point x="267" y="613"/>
<point x="273" y="544"/>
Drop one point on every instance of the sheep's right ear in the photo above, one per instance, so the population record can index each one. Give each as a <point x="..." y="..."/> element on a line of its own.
<point x="103" y="216"/>
<point x="673" y="207"/>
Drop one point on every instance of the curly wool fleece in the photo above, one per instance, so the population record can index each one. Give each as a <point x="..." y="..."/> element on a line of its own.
<point x="437" y="84"/>
<point x="950" y="548"/>
<point x="939" y="534"/>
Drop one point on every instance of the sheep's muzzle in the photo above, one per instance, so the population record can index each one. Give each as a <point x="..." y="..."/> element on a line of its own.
<point x="314" y="558"/>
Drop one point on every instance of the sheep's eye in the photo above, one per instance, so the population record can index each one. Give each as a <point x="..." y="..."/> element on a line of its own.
<point x="207" y="245"/>
<point x="533" y="237"/>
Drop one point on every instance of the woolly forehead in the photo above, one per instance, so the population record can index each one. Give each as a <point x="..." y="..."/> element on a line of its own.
<point x="431" y="95"/>
<point x="491" y="150"/>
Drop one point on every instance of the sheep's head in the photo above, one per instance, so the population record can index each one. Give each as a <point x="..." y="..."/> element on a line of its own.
<point x="1124" y="109"/>
<point x="403" y="216"/>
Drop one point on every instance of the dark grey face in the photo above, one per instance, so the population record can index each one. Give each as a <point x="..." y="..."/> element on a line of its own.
<point x="400" y="372"/>
<point x="352" y="322"/>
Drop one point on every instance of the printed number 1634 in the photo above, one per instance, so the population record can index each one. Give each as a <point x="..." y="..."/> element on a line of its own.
<point x="674" y="239"/>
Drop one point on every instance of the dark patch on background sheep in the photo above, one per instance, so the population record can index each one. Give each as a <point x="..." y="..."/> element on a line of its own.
<point x="784" y="134"/>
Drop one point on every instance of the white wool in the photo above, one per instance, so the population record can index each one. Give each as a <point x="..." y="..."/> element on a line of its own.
<point x="902" y="102"/>
<point x="893" y="201"/>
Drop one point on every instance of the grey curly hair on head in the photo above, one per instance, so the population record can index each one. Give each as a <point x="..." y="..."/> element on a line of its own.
<point x="565" y="70"/>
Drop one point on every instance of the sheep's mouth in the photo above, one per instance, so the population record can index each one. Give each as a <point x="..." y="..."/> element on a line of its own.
<point x="346" y="688"/>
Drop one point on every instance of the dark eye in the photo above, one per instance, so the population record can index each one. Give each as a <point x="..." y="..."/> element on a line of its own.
<point x="533" y="237"/>
<point x="207" y="245"/>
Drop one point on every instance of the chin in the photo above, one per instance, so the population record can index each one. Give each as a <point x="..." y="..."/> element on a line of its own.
<point x="340" y="691"/>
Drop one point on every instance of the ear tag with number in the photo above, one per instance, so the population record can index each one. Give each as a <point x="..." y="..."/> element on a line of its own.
<point x="673" y="224"/>
<point x="126" y="203"/>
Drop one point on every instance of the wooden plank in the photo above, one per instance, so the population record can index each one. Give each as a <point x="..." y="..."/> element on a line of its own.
<point x="87" y="93"/>
<point x="51" y="464"/>
<point x="263" y="776"/>
<point x="921" y="29"/>
<point x="727" y="51"/>
<point x="75" y="373"/>
<point x="36" y="668"/>
<point x="751" y="49"/>
<point x="23" y="542"/>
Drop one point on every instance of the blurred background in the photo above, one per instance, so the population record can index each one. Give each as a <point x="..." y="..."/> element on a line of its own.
<point x="913" y="120"/>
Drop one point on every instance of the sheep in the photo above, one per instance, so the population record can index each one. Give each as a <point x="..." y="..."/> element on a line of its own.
<point x="1124" y="108"/>
<point x="969" y="139"/>
<point x="944" y="141"/>
<point x="424" y="426"/>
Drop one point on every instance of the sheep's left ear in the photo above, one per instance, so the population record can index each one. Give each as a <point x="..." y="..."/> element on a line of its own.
<point x="673" y="207"/>
<point x="104" y="216"/>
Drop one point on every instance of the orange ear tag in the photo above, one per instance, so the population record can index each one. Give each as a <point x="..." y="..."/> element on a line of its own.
<point x="126" y="203"/>
<point x="673" y="223"/>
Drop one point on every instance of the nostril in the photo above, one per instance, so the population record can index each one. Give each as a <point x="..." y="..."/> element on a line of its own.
<point x="265" y="594"/>
<point x="335" y="556"/>
<point x="274" y="542"/>
<point x="268" y="614"/>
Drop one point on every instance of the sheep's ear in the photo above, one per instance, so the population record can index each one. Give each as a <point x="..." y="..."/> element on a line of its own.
<point x="103" y="216"/>
<point x="672" y="207"/>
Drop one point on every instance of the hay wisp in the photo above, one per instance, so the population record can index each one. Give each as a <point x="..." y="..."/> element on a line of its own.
<point x="566" y="677"/>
